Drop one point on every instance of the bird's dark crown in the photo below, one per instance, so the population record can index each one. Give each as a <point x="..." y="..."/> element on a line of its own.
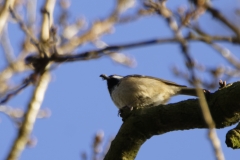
<point x="112" y="80"/>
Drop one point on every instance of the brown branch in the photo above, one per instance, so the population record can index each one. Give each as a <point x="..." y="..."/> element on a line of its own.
<point x="101" y="52"/>
<point x="144" y="123"/>
<point x="26" y="82"/>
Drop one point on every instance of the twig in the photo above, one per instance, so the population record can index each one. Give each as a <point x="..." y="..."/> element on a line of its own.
<point x="7" y="73"/>
<point x="97" y="29"/>
<point x="17" y="113"/>
<point x="23" y="26"/>
<point x="227" y="55"/>
<point x="7" y="47"/>
<point x="26" y="82"/>
<point x="215" y="13"/>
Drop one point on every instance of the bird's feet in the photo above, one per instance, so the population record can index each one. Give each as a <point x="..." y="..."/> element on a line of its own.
<point x="221" y="83"/>
<point x="124" y="112"/>
<point x="206" y="92"/>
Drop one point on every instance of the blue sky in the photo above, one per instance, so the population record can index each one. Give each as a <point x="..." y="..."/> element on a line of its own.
<point x="79" y="101"/>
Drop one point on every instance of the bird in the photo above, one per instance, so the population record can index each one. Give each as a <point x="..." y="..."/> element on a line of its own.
<point x="138" y="91"/>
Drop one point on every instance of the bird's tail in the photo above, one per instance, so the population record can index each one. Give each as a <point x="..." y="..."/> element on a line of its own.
<point x="191" y="91"/>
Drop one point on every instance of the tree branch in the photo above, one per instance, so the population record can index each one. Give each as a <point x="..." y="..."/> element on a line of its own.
<point x="94" y="54"/>
<point x="144" y="123"/>
<point x="215" y="13"/>
<point x="4" y="13"/>
<point x="30" y="117"/>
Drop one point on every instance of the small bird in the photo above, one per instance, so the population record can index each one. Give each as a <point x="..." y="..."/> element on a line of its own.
<point x="137" y="91"/>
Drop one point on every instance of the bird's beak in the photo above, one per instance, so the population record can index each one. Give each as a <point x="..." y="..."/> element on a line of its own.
<point x="104" y="76"/>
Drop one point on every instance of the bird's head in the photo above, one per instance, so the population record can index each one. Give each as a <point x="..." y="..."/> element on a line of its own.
<point x="112" y="80"/>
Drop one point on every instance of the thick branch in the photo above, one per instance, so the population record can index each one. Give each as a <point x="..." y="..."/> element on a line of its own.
<point x="144" y="123"/>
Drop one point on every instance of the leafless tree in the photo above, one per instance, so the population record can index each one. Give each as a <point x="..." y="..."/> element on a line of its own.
<point x="56" y="43"/>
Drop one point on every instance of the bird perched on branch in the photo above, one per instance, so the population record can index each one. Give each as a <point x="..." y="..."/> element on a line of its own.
<point x="136" y="91"/>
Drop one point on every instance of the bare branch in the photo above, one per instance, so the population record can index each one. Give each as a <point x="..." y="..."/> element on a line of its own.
<point x="47" y="21"/>
<point x="101" y="52"/>
<point x="4" y="13"/>
<point x="7" y="47"/>
<point x="215" y="13"/>
<point x="30" y="117"/>
<point x="8" y="72"/>
<point x="23" y="26"/>
<point x="16" y="113"/>
<point x="31" y="79"/>
<point x="227" y="55"/>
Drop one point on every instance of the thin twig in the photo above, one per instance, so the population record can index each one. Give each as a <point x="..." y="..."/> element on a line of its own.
<point x="25" y="83"/>
<point x="23" y="26"/>
<point x="227" y="55"/>
<point x="8" y="72"/>
<point x="215" y="13"/>
<point x="17" y="113"/>
<point x="97" y="29"/>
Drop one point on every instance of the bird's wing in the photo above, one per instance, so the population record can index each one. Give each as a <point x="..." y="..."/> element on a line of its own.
<point x="162" y="80"/>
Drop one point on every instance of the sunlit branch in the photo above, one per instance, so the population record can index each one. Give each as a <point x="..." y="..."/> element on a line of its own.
<point x="30" y="117"/>
<point x="4" y="13"/>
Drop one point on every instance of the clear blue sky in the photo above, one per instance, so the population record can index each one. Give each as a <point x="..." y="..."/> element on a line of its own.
<point x="80" y="103"/>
